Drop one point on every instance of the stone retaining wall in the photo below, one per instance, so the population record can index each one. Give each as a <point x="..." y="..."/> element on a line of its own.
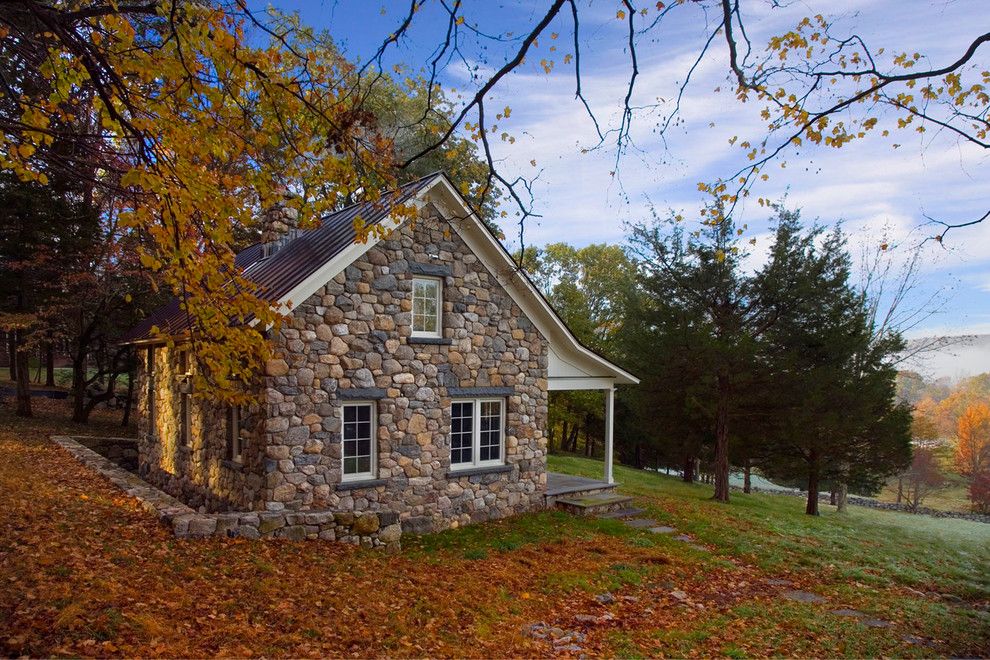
<point x="121" y="451"/>
<point x="367" y="529"/>
<point x="871" y="503"/>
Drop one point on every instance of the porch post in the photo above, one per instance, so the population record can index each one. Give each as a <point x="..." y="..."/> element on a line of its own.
<point x="609" y="425"/>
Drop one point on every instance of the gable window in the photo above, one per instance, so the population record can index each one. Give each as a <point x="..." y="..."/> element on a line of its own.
<point x="477" y="432"/>
<point x="235" y="448"/>
<point x="426" y="307"/>
<point x="359" y="441"/>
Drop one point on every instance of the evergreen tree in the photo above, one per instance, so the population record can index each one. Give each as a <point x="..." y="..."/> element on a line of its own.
<point x="837" y="421"/>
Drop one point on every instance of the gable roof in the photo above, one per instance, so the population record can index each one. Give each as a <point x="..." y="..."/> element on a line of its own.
<point x="316" y="256"/>
<point x="279" y="274"/>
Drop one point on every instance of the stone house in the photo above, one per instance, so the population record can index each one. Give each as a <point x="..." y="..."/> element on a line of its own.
<point x="410" y="379"/>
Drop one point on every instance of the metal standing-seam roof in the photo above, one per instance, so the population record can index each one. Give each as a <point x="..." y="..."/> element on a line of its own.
<point x="280" y="273"/>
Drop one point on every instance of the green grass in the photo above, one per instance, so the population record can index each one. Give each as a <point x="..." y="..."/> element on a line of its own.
<point x="931" y="574"/>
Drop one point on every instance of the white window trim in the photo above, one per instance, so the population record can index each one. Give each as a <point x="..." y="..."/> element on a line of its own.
<point x="412" y="297"/>
<point x="476" y="461"/>
<point x="373" y="473"/>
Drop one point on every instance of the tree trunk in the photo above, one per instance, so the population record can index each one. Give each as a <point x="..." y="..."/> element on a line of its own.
<point x="900" y="489"/>
<point x="722" y="441"/>
<point x="23" y="382"/>
<point x="747" y="484"/>
<point x="688" y="473"/>
<point x="812" y="508"/>
<point x="49" y="364"/>
<point x="831" y="496"/>
<point x="79" y="387"/>
<point x="12" y="354"/>
<point x="840" y="501"/>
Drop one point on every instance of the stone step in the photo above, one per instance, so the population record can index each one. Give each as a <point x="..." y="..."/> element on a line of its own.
<point x="592" y="505"/>
<point x="628" y="512"/>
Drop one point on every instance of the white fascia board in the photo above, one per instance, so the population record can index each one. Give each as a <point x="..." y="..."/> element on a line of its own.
<point x="500" y="264"/>
<point x="568" y="383"/>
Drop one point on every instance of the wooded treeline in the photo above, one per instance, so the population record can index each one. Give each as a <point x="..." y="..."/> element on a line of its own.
<point x="780" y="369"/>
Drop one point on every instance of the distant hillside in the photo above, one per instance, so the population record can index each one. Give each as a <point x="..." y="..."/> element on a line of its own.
<point x="964" y="356"/>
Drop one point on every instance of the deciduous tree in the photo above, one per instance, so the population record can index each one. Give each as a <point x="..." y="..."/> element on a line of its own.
<point x="973" y="440"/>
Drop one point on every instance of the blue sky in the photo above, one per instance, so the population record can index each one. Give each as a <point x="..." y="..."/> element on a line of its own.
<point x="879" y="193"/>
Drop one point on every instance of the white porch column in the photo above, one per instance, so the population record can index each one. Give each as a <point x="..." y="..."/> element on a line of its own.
<point x="609" y="425"/>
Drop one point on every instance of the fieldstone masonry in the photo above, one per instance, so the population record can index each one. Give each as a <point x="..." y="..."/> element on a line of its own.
<point x="352" y="340"/>
<point x="199" y="471"/>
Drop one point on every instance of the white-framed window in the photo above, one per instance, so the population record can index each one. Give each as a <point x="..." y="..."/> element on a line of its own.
<point x="235" y="445"/>
<point x="477" y="433"/>
<point x="427" y="304"/>
<point x="359" y="455"/>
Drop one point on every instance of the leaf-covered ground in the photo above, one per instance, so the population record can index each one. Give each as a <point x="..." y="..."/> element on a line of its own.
<point x="84" y="571"/>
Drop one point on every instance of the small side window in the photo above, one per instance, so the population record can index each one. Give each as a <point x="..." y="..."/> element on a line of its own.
<point x="184" y="409"/>
<point x="359" y="455"/>
<point x="235" y="449"/>
<point x="152" y="412"/>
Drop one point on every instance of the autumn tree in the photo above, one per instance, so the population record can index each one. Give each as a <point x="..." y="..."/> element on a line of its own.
<point x="979" y="492"/>
<point x="814" y="83"/>
<point x="922" y="478"/>
<point x="201" y="126"/>
<point x="207" y="112"/>
<point x="973" y="440"/>
<point x="586" y="286"/>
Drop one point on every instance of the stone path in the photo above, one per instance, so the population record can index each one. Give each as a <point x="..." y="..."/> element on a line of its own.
<point x="638" y="522"/>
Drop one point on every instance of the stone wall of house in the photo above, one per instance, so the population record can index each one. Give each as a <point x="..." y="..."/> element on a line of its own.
<point x="353" y="337"/>
<point x="198" y="472"/>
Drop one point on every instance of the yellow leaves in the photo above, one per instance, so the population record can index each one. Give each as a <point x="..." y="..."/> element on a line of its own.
<point x="620" y="14"/>
<point x="459" y="20"/>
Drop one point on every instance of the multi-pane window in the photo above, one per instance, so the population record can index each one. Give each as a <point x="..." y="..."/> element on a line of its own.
<point x="490" y="430"/>
<point x="426" y="304"/>
<point x="235" y="447"/>
<point x="359" y="441"/>
<point x="461" y="432"/>
<point x="476" y="432"/>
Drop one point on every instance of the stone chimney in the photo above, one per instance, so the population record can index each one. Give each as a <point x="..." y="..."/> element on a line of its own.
<point x="279" y="225"/>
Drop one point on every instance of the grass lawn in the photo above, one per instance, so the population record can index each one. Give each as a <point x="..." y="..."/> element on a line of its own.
<point x="85" y="572"/>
